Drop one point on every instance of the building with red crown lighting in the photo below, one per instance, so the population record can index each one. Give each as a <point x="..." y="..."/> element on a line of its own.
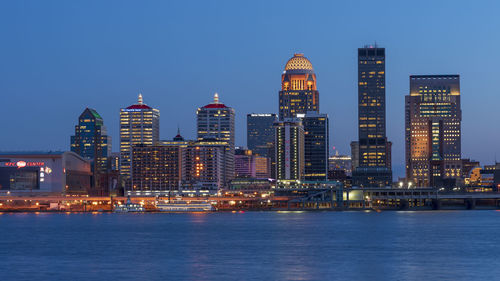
<point x="215" y="123"/>
<point x="139" y="124"/>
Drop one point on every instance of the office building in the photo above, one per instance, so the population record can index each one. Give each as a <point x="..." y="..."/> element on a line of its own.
<point x="91" y="140"/>
<point x="139" y="124"/>
<point x="298" y="93"/>
<point x="316" y="139"/>
<point x="433" y="131"/>
<point x="374" y="155"/>
<point x="260" y="133"/>
<point x="205" y="165"/>
<point x="215" y="123"/>
<point x="289" y="149"/>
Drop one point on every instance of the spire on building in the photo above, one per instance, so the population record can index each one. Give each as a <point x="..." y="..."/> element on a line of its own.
<point x="140" y="99"/>
<point x="216" y="98"/>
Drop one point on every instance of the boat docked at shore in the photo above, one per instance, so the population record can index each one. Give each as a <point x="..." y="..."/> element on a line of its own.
<point x="179" y="205"/>
<point x="128" y="207"/>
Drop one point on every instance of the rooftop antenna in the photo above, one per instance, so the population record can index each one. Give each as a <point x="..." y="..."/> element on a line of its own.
<point x="216" y="98"/>
<point x="140" y="98"/>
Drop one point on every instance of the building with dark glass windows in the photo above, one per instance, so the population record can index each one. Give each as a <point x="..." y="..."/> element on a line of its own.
<point x="315" y="146"/>
<point x="260" y="137"/>
<point x="374" y="156"/>
<point x="260" y="133"/>
<point x="433" y="131"/>
<point x="91" y="140"/>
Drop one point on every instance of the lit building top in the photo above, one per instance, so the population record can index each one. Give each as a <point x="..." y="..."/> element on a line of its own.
<point x="215" y="103"/>
<point x="139" y="105"/>
<point x="298" y="62"/>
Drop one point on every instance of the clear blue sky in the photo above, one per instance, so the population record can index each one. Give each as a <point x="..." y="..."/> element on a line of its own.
<point x="58" y="57"/>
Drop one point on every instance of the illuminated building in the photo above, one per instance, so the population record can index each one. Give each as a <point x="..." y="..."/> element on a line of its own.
<point x="215" y="122"/>
<point x="289" y="149"/>
<point x="91" y="140"/>
<point x="298" y="93"/>
<point x="316" y="139"/>
<point x="156" y="168"/>
<point x="44" y="173"/>
<point x="432" y="132"/>
<point x="204" y="165"/>
<point x="248" y="165"/>
<point x="374" y="158"/>
<point x="139" y="124"/>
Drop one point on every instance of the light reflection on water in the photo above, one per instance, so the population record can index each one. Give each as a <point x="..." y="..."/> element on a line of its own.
<point x="457" y="245"/>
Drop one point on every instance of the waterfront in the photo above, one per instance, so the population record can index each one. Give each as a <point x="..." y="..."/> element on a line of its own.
<point x="430" y="245"/>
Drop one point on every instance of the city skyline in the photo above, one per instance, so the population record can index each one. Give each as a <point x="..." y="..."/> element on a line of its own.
<point x="107" y="84"/>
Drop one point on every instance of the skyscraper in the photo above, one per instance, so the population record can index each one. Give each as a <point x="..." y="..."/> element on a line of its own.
<point x="139" y="124"/>
<point x="91" y="140"/>
<point x="433" y="130"/>
<point x="260" y="137"/>
<point x="316" y="139"/>
<point x="289" y="149"/>
<point x="215" y="122"/>
<point x="260" y="133"/>
<point x="374" y="150"/>
<point x="298" y="88"/>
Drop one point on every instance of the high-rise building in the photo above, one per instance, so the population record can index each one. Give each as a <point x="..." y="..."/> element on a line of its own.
<point x="215" y="122"/>
<point x="298" y="93"/>
<point x="249" y="165"/>
<point x="289" y="149"/>
<point x="260" y="133"/>
<point x="374" y="150"/>
<point x="139" y="124"/>
<point x="156" y="168"/>
<point x="433" y="122"/>
<point x="316" y="139"/>
<point x="91" y="140"/>
<point x="205" y="165"/>
<point x="260" y="137"/>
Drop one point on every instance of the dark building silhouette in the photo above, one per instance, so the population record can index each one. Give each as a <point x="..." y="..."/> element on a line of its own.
<point x="374" y="156"/>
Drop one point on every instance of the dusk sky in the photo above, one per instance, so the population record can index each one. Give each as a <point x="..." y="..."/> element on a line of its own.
<point x="58" y="57"/>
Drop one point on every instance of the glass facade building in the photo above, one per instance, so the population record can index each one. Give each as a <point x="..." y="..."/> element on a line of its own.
<point x="374" y="150"/>
<point x="316" y="139"/>
<point x="260" y="133"/>
<point x="91" y="140"/>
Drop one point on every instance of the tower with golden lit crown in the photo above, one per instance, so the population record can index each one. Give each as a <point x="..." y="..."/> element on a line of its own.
<point x="298" y="93"/>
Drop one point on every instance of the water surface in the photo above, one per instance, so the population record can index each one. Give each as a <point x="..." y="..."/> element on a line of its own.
<point x="431" y="245"/>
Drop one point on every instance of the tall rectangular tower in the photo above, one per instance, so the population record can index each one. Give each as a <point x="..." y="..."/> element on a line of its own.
<point x="316" y="139"/>
<point x="289" y="149"/>
<point x="139" y="124"/>
<point x="374" y="154"/>
<point x="215" y="122"/>
<point x="433" y="130"/>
